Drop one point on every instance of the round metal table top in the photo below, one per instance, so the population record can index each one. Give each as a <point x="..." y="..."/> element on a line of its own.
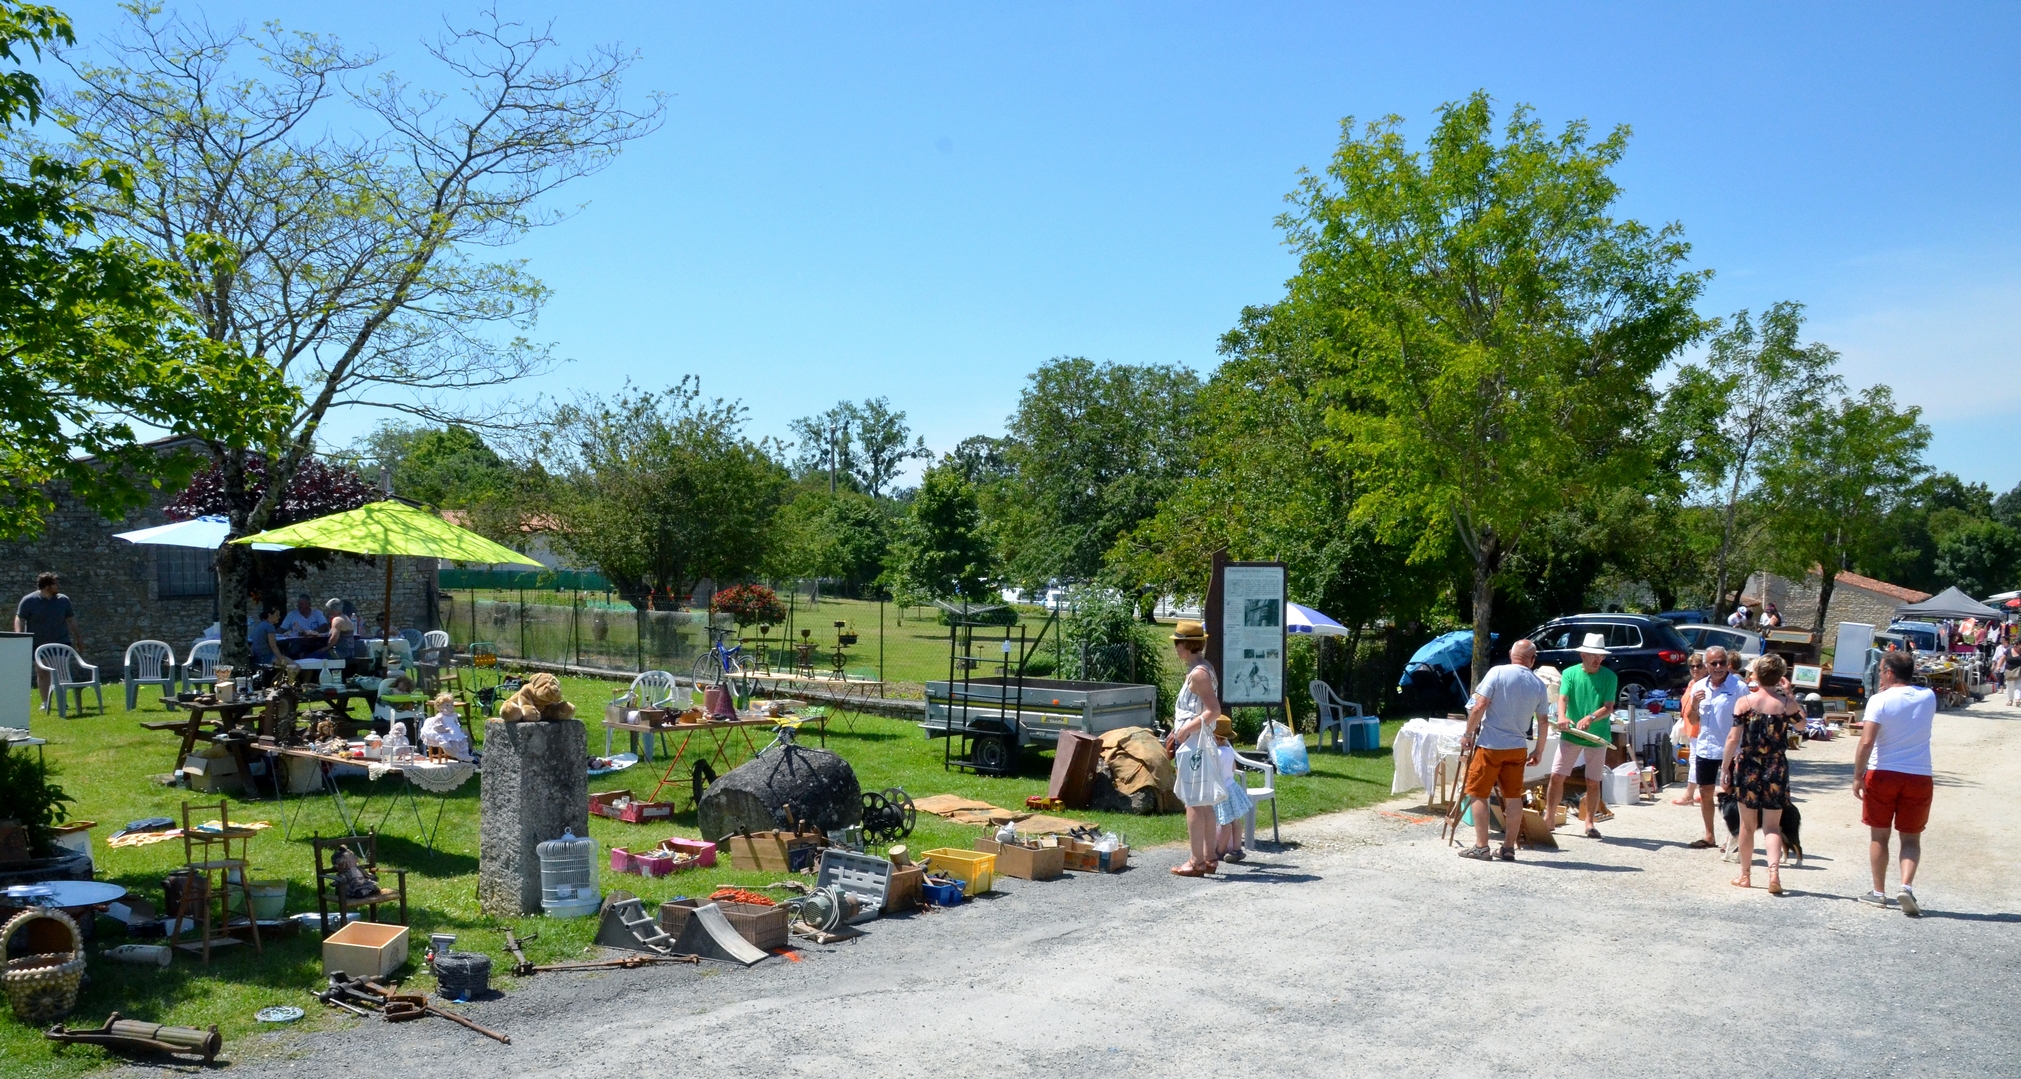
<point x="62" y="893"/>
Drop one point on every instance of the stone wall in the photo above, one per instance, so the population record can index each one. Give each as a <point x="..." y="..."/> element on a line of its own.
<point x="114" y="585"/>
<point x="1798" y="603"/>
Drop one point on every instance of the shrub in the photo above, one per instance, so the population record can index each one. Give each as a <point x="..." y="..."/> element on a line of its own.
<point x="27" y="795"/>
<point x="751" y="604"/>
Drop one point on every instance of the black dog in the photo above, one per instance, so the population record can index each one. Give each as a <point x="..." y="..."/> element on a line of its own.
<point x="1792" y="823"/>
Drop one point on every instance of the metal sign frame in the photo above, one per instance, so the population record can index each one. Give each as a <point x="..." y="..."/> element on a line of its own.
<point x="1246" y="631"/>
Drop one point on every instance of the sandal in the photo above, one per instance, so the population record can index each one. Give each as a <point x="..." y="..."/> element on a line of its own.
<point x="1741" y="882"/>
<point x="1235" y="855"/>
<point x="1508" y="853"/>
<point x="1700" y="844"/>
<point x="1774" y="884"/>
<point x="1479" y="854"/>
<point x="1188" y="869"/>
<point x="1592" y="833"/>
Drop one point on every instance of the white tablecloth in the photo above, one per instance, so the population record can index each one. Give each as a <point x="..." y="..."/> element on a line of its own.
<point x="1423" y="744"/>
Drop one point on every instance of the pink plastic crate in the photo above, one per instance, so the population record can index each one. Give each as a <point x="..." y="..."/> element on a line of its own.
<point x="706" y="852"/>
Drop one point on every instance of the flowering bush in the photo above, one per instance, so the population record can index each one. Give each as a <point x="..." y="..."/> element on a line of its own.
<point x="317" y="490"/>
<point x="751" y="604"/>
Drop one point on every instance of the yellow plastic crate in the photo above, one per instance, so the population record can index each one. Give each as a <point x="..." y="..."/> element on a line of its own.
<point x="975" y="870"/>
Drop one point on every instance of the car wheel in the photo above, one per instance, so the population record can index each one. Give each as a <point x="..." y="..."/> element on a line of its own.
<point x="993" y="756"/>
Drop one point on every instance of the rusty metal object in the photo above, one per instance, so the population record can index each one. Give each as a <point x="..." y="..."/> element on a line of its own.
<point x="129" y="1034"/>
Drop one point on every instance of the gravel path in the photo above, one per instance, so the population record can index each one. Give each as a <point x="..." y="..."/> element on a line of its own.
<point x="1366" y="947"/>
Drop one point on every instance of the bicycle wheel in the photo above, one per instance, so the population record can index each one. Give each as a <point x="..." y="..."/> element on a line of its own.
<point x="709" y="669"/>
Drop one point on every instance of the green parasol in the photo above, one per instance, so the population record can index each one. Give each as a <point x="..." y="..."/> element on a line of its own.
<point x="391" y="528"/>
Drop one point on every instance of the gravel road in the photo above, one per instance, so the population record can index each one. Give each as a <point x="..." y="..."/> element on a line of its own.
<point x="1365" y="947"/>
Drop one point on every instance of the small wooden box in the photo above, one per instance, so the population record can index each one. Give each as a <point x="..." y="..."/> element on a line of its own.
<point x="365" y="950"/>
<point x="1025" y="863"/>
<point x="772" y="852"/>
<point x="903" y="893"/>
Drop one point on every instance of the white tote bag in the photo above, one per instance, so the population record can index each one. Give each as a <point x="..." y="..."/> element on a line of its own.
<point x="1199" y="767"/>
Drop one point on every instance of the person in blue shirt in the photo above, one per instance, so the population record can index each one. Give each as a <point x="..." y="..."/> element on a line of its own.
<point x="264" y="636"/>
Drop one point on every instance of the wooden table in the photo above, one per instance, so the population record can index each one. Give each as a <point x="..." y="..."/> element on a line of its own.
<point x="229" y="716"/>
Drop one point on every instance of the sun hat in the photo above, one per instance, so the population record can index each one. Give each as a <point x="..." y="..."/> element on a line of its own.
<point x="1189" y="631"/>
<point x="1595" y="645"/>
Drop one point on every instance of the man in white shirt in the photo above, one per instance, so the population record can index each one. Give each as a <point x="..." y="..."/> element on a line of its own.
<point x="1892" y="775"/>
<point x="1720" y="690"/>
<point x="1498" y="725"/>
<point x="1738" y="618"/>
<point x="305" y="620"/>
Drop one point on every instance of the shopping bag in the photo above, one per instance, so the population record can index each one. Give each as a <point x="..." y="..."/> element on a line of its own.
<point x="1198" y="764"/>
<point x="1288" y="753"/>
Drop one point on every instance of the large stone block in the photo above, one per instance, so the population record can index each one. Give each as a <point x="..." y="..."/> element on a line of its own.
<point x="535" y="788"/>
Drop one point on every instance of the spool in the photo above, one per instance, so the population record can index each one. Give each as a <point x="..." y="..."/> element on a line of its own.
<point x="462" y="975"/>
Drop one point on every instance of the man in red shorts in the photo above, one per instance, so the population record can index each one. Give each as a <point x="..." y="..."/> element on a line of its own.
<point x="1498" y="725"/>
<point x="1891" y="775"/>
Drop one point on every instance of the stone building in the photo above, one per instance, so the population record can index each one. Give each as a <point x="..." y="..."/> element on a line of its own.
<point x="124" y="592"/>
<point x="1854" y="599"/>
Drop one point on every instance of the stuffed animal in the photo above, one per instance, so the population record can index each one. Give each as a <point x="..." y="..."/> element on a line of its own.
<point x="539" y="698"/>
<point x="353" y="882"/>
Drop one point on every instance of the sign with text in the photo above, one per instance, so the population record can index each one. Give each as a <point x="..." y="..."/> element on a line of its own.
<point x="1252" y="632"/>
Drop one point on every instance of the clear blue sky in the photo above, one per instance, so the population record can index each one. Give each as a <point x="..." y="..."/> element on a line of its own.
<point x="927" y="201"/>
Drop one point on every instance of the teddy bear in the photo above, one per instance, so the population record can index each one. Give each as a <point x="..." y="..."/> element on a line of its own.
<point x="539" y="698"/>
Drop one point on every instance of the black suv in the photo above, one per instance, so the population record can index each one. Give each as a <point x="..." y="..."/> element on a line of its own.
<point x="1646" y="652"/>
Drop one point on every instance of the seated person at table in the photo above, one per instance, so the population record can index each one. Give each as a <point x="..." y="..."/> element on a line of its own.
<point x="441" y="730"/>
<point x="264" y="636"/>
<point x="344" y="643"/>
<point x="305" y="620"/>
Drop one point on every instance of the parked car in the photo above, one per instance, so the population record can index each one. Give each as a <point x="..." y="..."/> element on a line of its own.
<point x="1705" y="616"/>
<point x="1738" y="642"/>
<point x="1920" y="635"/>
<point x="1645" y="651"/>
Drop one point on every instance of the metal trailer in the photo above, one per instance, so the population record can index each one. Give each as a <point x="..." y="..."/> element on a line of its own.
<point x="1004" y="715"/>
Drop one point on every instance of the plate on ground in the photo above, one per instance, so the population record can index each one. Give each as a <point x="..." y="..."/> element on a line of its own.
<point x="278" y="1013"/>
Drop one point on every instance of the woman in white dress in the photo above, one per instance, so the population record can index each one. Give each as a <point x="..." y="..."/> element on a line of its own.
<point x="1198" y="704"/>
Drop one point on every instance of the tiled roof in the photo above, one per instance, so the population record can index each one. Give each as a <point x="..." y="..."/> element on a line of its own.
<point x="1893" y="591"/>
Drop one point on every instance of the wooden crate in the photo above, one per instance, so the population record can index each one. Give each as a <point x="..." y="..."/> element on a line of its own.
<point x="772" y="852"/>
<point x="365" y="950"/>
<point x="1025" y="863"/>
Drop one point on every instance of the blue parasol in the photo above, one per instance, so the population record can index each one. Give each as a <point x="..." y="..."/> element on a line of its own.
<point x="1447" y="652"/>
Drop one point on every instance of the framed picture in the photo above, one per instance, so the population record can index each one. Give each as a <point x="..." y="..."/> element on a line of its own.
<point x="1807" y="676"/>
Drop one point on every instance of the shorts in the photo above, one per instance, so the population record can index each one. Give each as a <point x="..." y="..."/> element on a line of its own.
<point x="1492" y="767"/>
<point x="1568" y="758"/>
<point x="1897" y="800"/>
<point x="1705" y="771"/>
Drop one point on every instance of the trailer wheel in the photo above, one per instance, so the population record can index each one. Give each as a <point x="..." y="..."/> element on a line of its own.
<point x="994" y="755"/>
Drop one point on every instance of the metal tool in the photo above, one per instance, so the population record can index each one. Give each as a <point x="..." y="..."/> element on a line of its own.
<point x="118" y="1033"/>
<point x="520" y="967"/>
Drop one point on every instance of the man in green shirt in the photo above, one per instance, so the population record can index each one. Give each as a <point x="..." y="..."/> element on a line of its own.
<point x="1585" y="708"/>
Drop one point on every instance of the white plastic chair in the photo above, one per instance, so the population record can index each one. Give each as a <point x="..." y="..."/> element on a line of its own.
<point x="1265" y="793"/>
<point x="435" y="638"/>
<point x="58" y="660"/>
<point x="653" y="689"/>
<point x="201" y="668"/>
<point x="149" y="663"/>
<point x="1338" y="715"/>
<point x="403" y="653"/>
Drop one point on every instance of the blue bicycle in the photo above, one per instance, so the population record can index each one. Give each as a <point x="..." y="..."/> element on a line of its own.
<point x="722" y="665"/>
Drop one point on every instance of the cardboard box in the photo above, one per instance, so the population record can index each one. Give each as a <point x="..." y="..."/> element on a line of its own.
<point x="1025" y="863"/>
<point x="772" y="852"/>
<point x="1081" y="857"/>
<point x="365" y="950"/>
<point x="211" y="774"/>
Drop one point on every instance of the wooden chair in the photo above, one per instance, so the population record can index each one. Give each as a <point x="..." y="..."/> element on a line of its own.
<point x="366" y="849"/>
<point x="211" y="863"/>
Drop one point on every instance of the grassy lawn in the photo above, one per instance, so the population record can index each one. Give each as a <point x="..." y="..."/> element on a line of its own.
<point x="104" y="763"/>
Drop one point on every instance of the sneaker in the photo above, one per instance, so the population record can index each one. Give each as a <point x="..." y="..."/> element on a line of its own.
<point x="1907" y="901"/>
<point x="1878" y="899"/>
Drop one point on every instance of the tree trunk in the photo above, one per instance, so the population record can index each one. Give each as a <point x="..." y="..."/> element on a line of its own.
<point x="1828" y="579"/>
<point x="1732" y="510"/>
<point x="1487" y="559"/>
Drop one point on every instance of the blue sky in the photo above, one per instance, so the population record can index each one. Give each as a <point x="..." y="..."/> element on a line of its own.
<point x="928" y="201"/>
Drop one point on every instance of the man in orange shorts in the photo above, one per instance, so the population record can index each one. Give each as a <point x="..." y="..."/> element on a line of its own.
<point x="1892" y="775"/>
<point x="1498" y="732"/>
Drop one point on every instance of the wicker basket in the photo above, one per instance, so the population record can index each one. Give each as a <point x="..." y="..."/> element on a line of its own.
<point x="42" y="987"/>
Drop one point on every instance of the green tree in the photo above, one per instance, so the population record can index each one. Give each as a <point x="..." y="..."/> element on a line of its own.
<point x="1756" y="378"/>
<point x="1981" y="557"/>
<point x="843" y="537"/>
<point x="451" y="467"/>
<point x="94" y="335"/>
<point x="659" y="490"/>
<point x="1832" y="481"/>
<point x="1092" y="449"/>
<point x="1498" y="327"/>
<point x="335" y="226"/>
<point x="941" y="550"/>
<point x="863" y="446"/>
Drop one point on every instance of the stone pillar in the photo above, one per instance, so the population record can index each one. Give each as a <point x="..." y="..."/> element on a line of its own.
<point x="535" y="788"/>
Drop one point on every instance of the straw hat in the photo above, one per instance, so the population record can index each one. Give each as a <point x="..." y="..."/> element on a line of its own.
<point x="1595" y="645"/>
<point x="1189" y="631"/>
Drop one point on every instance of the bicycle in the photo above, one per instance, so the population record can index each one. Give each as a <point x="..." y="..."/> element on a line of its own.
<point x="722" y="665"/>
